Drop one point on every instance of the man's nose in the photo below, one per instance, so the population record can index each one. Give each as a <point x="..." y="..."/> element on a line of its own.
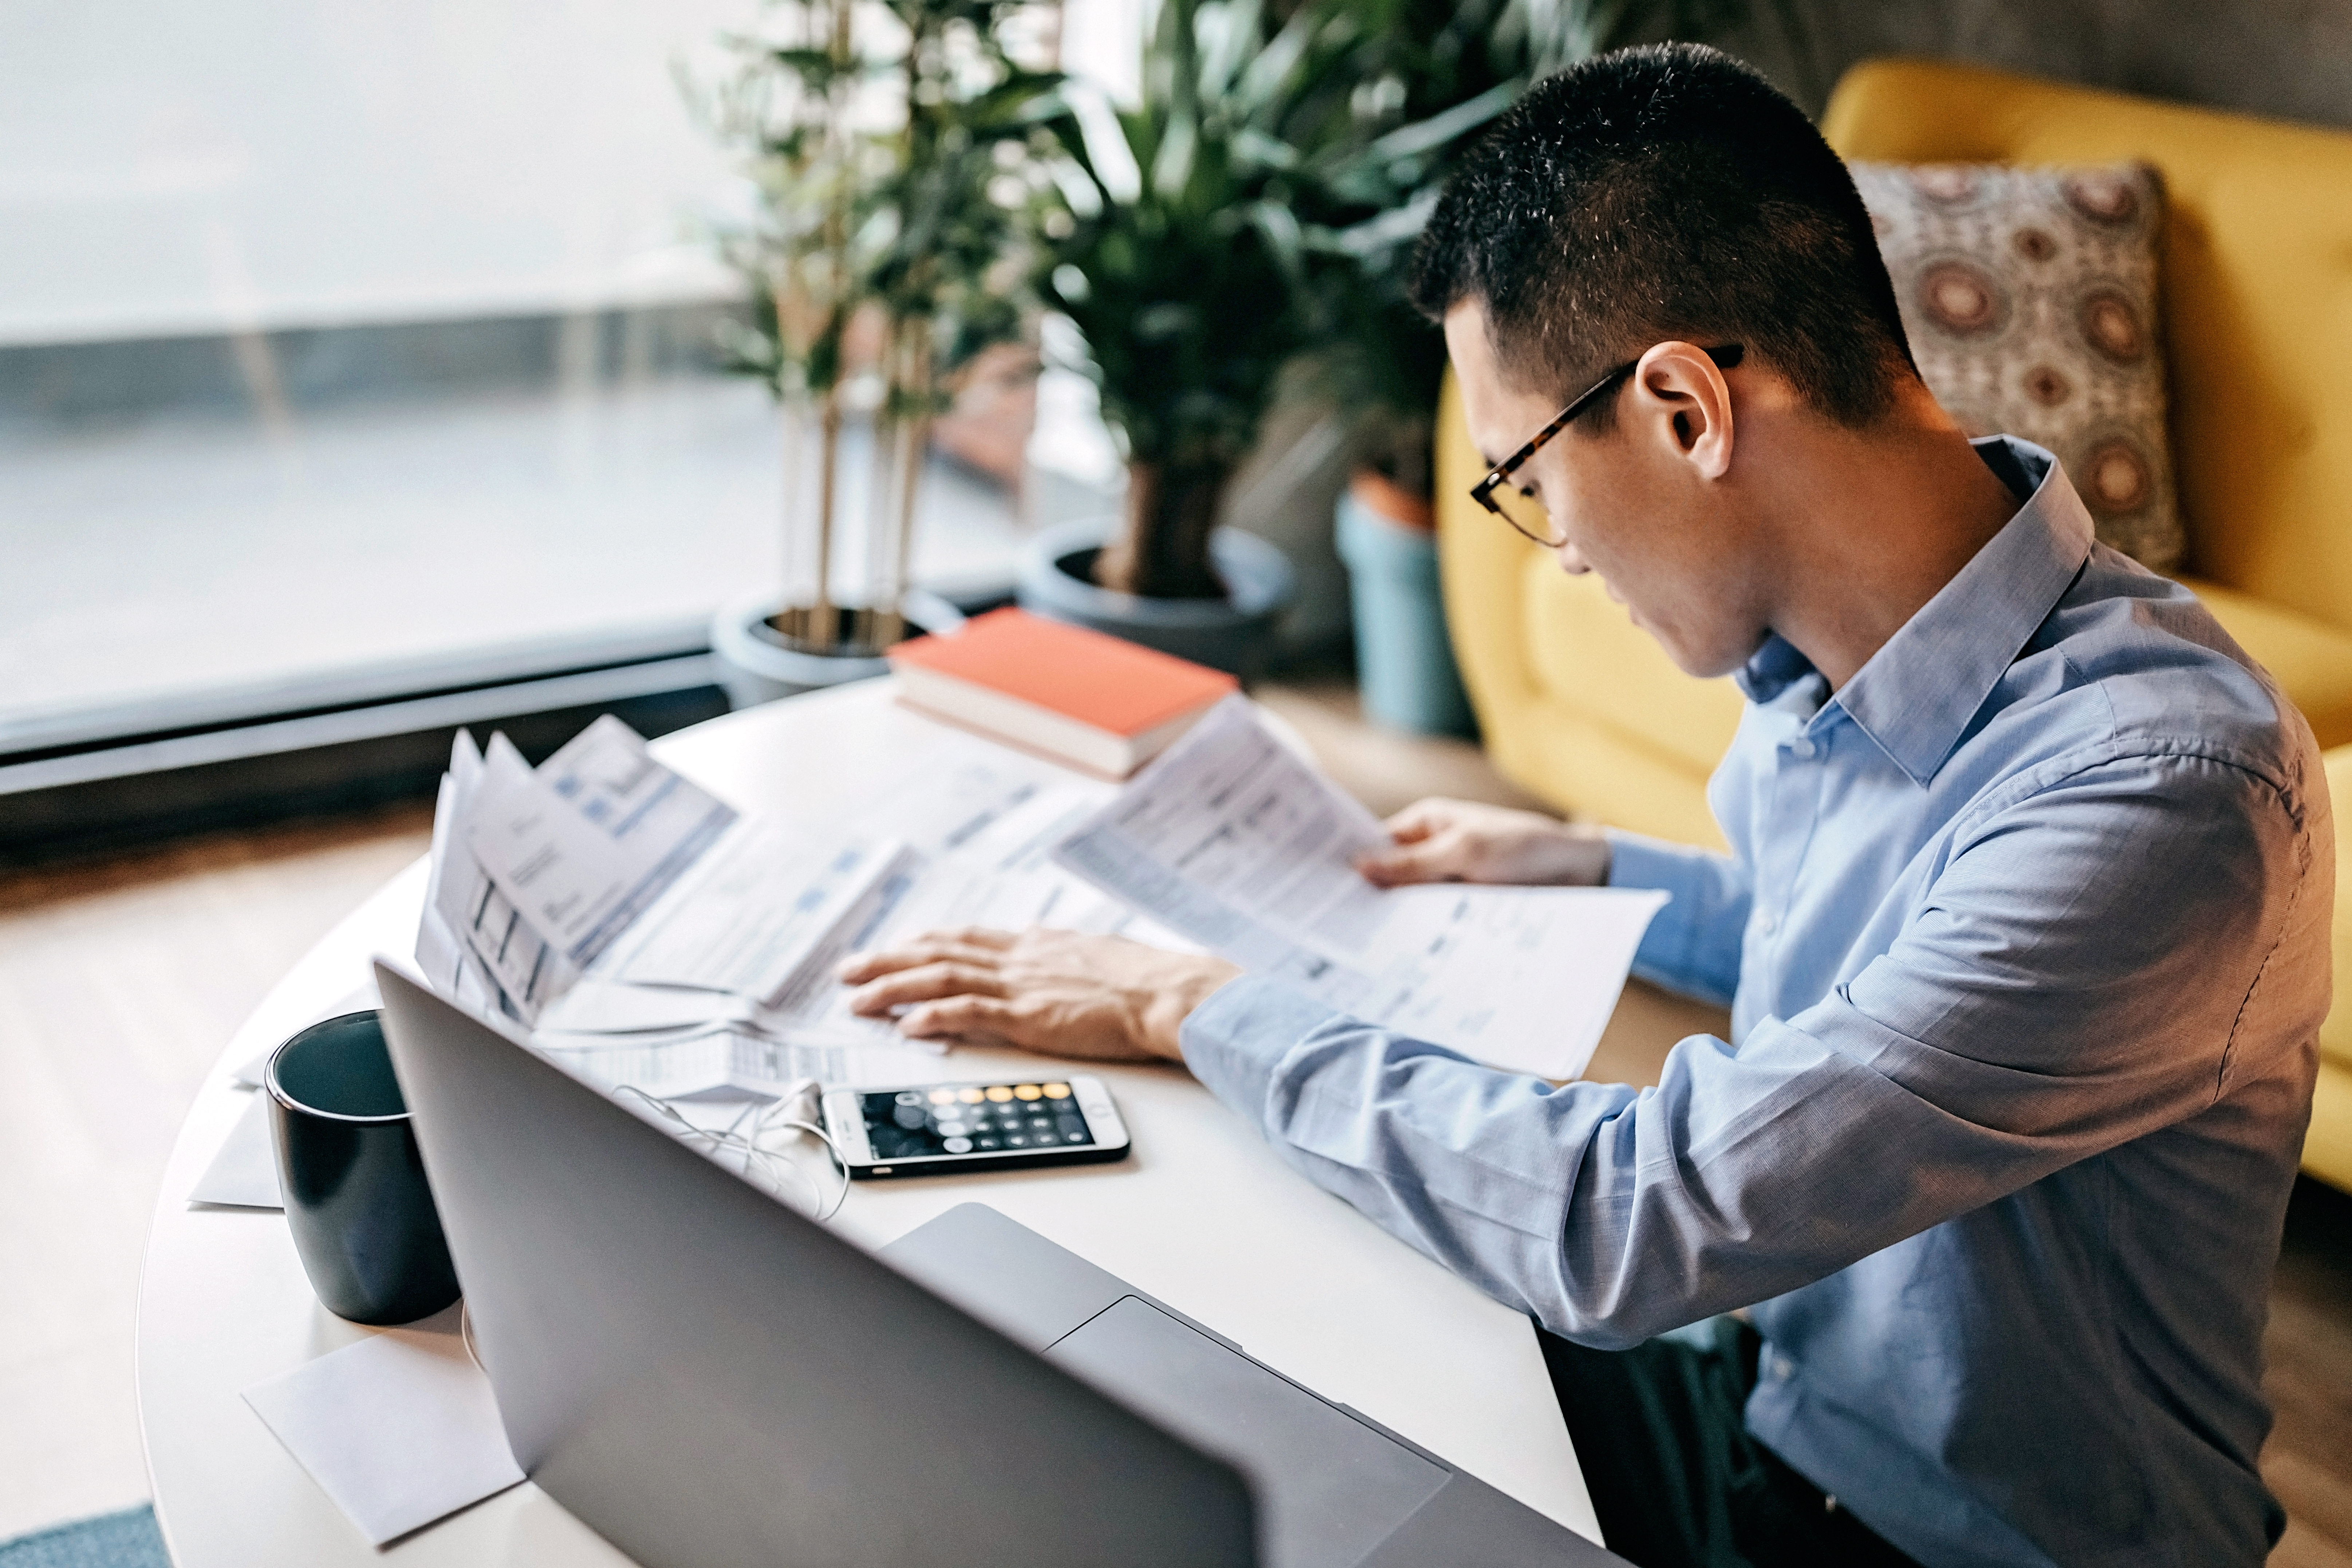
<point x="1570" y="561"/>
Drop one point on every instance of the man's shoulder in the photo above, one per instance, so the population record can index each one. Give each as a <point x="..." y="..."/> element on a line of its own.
<point x="2130" y="665"/>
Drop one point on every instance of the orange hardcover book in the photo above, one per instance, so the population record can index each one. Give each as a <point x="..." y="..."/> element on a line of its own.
<point x="1094" y="702"/>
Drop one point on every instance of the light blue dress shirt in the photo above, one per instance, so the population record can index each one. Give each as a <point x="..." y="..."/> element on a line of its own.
<point x="2025" y="935"/>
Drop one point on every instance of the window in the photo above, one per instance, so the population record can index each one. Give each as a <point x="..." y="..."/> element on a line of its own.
<point x="350" y="356"/>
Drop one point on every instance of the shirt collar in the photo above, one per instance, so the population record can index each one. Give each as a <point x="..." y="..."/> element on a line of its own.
<point x="1917" y="694"/>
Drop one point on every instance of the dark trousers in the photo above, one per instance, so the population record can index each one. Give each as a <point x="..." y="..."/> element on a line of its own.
<point x="1676" y="1478"/>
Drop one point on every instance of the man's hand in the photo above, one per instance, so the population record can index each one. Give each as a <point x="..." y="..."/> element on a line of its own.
<point x="1098" y="998"/>
<point x="1463" y="841"/>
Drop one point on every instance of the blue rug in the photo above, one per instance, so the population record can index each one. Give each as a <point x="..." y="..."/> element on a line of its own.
<point x="125" y="1539"/>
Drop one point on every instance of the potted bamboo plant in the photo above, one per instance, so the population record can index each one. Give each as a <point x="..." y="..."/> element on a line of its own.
<point x="898" y="149"/>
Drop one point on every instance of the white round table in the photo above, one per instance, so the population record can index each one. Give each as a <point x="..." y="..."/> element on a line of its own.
<point x="1203" y="1214"/>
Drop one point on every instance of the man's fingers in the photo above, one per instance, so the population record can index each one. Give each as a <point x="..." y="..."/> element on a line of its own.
<point x="1431" y="860"/>
<point x="960" y="1017"/>
<point x="934" y="949"/>
<point x="926" y="983"/>
<point x="975" y="936"/>
<point x="1416" y="821"/>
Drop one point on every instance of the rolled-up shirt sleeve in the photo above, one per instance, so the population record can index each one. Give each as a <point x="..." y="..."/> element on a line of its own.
<point x="1693" y="944"/>
<point x="2072" y="979"/>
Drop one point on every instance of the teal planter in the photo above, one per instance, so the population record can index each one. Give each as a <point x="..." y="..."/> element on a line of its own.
<point x="1404" y="660"/>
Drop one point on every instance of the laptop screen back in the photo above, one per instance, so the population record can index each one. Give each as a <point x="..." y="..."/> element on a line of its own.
<point x="706" y="1377"/>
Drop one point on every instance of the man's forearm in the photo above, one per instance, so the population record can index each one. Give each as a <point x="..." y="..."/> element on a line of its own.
<point x="1405" y="1132"/>
<point x="1693" y="946"/>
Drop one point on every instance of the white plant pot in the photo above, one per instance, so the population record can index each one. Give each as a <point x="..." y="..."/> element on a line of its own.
<point x="754" y="668"/>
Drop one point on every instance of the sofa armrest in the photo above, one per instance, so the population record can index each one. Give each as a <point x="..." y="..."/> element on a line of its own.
<point x="2327" y="1147"/>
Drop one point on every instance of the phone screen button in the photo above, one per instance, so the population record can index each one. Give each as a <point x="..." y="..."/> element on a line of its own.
<point x="957" y="1145"/>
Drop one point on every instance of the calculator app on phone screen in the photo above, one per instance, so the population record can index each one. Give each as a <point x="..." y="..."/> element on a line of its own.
<point x="1045" y="1120"/>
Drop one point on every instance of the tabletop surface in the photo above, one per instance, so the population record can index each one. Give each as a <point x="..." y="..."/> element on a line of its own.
<point x="1203" y="1214"/>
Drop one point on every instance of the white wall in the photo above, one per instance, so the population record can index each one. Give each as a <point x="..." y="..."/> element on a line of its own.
<point x="170" y="166"/>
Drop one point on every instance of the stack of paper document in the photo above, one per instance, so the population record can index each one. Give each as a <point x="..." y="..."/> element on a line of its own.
<point x="605" y="861"/>
<point x="619" y="909"/>
<point x="655" y="936"/>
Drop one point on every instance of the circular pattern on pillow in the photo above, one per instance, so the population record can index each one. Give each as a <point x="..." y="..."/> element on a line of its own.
<point x="2030" y="299"/>
<point x="2116" y="478"/>
<point x="1962" y="298"/>
<point x="2104" y="196"/>
<point x="2047" y="386"/>
<point x="1946" y="185"/>
<point x="2110" y="325"/>
<point x="2031" y="243"/>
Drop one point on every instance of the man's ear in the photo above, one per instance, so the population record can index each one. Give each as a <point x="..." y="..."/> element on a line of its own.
<point x="1682" y="396"/>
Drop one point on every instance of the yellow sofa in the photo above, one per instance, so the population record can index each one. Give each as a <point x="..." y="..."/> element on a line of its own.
<point x="1583" y="709"/>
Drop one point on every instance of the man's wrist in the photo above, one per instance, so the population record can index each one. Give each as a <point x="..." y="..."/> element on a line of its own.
<point x="1164" y="1015"/>
<point x="1584" y="856"/>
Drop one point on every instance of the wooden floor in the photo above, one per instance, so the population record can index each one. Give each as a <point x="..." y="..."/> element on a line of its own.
<point x="2309" y="1346"/>
<point x="120" y="980"/>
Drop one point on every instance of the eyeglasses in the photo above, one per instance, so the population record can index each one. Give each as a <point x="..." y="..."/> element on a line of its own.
<point x="1523" y="513"/>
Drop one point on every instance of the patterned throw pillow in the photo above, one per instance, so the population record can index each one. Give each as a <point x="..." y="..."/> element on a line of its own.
<point x="2030" y="299"/>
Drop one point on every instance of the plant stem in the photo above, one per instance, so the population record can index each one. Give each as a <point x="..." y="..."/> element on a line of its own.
<point x="836" y="237"/>
<point x="1162" y="552"/>
<point x="914" y="440"/>
<point x="828" y="486"/>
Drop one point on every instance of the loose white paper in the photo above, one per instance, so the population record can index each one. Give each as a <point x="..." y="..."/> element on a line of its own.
<point x="472" y="942"/>
<point x="1003" y="874"/>
<point x="1234" y="841"/>
<point x="244" y="1174"/>
<point x="995" y="870"/>
<point x="399" y="1429"/>
<point x="759" y="915"/>
<point x="589" y="842"/>
<point x="960" y="788"/>
<point x="596" y="1006"/>
<point x="714" y="937"/>
<point x="736" y="1064"/>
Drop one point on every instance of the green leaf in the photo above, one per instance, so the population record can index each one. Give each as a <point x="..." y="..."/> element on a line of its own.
<point x="1442" y="129"/>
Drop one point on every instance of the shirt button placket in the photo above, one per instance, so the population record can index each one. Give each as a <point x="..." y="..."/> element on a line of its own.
<point x="1795" y="801"/>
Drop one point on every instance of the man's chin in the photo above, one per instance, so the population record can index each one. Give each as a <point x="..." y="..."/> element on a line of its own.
<point x="1709" y="663"/>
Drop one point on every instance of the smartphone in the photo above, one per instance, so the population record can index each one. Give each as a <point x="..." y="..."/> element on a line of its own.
<point x="998" y="1125"/>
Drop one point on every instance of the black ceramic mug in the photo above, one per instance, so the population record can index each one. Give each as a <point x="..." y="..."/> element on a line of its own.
<point x="356" y="1199"/>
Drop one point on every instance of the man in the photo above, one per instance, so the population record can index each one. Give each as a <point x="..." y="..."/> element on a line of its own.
<point x="2025" y="928"/>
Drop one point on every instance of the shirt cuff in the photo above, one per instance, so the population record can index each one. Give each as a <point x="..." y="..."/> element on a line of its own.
<point x="1233" y="1041"/>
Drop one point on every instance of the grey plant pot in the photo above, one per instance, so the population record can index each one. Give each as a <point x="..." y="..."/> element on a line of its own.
<point x="1234" y="633"/>
<point x="753" y="668"/>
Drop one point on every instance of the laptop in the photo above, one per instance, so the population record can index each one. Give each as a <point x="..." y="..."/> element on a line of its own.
<point x="708" y="1379"/>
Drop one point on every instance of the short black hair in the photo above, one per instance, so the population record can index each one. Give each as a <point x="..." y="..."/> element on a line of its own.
<point x="1666" y="192"/>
